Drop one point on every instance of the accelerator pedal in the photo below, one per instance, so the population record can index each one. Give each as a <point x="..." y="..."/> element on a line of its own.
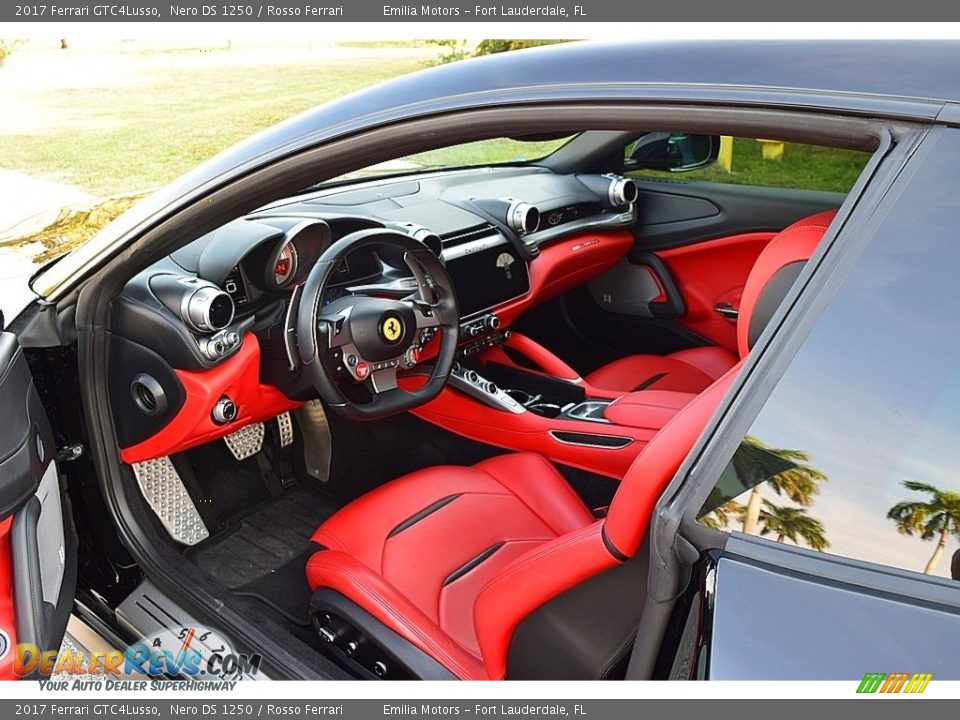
<point x="285" y="425"/>
<point x="163" y="490"/>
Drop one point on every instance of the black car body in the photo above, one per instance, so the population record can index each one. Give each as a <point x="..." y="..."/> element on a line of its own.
<point x="841" y="396"/>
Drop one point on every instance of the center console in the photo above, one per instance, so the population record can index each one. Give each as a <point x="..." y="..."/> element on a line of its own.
<point x="507" y="390"/>
<point x="480" y="333"/>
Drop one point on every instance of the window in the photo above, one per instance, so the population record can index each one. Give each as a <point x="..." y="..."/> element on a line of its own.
<point x="478" y="153"/>
<point x="857" y="450"/>
<point x="770" y="163"/>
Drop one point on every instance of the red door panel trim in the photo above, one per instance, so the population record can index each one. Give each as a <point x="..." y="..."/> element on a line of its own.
<point x="8" y="616"/>
<point x="711" y="272"/>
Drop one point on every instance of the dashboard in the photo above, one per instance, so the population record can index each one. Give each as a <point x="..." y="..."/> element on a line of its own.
<point x="500" y="232"/>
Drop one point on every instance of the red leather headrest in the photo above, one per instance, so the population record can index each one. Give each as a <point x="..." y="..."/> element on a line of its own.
<point x="774" y="273"/>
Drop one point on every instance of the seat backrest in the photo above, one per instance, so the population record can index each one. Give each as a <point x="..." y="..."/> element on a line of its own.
<point x="774" y="273"/>
<point x="772" y="276"/>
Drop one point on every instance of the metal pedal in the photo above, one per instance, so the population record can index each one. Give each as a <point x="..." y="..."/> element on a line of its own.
<point x="315" y="433"/>
<point x="163" y="490"/>
<point x="245" y="442"/>
<point x="285" y="425"/>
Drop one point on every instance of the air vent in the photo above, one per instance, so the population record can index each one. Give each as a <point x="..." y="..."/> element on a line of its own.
<point x="461" y="237"/>
<point x="148" y="395"/>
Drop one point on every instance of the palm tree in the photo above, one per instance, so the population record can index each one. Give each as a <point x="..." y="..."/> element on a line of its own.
<point x="799" y="481"/>
<point x="720" y="517"/>
<point x="793" y="524"/>
<point x="938" y="517"/>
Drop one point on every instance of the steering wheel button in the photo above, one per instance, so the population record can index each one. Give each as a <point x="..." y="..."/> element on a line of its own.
<point x="361" y="370"/>
<point x="352" y="360"/>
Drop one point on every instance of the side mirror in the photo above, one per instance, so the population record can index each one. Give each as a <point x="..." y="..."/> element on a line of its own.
<point x="673" y="152"/>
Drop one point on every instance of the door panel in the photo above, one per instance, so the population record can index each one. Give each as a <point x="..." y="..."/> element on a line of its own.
<point x="675" y="212"/>
<point x="694" y="245"/>
<point x="37" y="543"/>
<point x="711" y="275"/>
<point x="767" y="623"/>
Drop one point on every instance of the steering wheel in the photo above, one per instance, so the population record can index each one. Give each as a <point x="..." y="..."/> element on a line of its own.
<point x="365" y="340"/>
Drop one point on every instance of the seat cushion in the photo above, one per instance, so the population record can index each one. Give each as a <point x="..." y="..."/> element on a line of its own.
<point x="689" y="371"/>
<point x="416" y="552"/>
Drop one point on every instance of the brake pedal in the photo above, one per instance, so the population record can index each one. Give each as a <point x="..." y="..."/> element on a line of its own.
<point x="245" y="442"/>
<point x="166" y="495"/>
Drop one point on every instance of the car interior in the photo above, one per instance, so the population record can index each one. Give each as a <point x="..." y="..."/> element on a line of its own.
<point x="417" y="421"/>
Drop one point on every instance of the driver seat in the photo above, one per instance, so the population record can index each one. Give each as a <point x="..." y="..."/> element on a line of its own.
<point x="454" y="559"/>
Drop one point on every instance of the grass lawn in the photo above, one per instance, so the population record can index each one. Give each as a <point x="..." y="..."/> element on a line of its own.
<point x="139" y="119"/>
<point x="122" y="139"/>
<point x="807" y="167"/>
<point x="112" y="135"/>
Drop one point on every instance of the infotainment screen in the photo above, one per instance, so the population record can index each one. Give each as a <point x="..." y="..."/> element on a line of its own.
<point x="486" y="274"/>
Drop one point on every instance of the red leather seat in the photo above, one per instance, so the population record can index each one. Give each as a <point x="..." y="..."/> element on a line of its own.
<point x="687" y="370"/>
<point x="454" y="558"/>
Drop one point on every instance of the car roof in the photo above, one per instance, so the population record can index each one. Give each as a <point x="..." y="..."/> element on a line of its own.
<point x="903" y="69"/>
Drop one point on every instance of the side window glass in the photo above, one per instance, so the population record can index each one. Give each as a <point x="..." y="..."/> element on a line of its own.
<point x="856" y="452"/>
<point x="771" y="163"/>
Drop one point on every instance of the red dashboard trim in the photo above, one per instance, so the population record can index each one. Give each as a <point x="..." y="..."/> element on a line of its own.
<point x="567" y="263"/>
<point x="238" y="377"/>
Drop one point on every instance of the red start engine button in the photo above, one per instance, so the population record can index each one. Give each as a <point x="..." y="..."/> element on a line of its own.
<point x="362" y="370"/>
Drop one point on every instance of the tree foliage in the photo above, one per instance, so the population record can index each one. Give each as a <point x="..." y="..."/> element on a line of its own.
<point x="6" y="47"/>
<point x="800" y="481"/>
<point x="461" y="49"/>
<point x="793" y="524"/>
<point x="928" y="519"/>
<point x="721" y="517"/>
<point x="492" y="47"/>
<point x="936" y="518"/>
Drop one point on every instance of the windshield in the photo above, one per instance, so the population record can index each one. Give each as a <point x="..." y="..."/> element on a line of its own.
<point x="497" y="151"/>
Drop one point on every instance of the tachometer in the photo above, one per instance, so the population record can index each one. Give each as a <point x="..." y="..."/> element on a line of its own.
<point x="285" y="266"/>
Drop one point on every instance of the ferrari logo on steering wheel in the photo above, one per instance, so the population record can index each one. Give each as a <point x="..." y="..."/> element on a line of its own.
<point x="391" y="328"/>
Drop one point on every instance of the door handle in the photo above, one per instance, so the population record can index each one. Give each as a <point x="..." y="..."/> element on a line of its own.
<point x="727" y="310"/>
